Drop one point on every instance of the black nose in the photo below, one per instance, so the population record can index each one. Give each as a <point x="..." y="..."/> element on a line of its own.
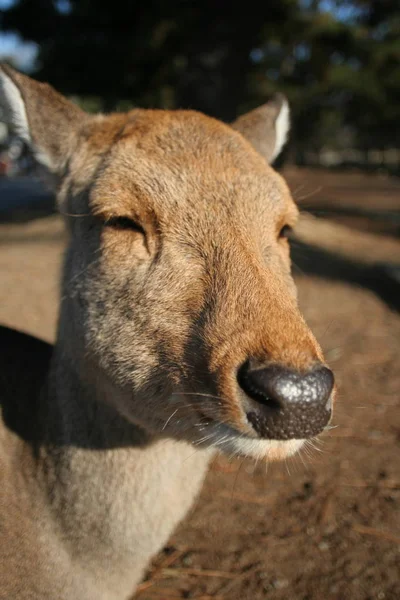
<point x="283" y="404"/>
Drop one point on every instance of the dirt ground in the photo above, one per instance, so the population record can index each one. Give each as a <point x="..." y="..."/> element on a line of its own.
<point x="327" y="523"/>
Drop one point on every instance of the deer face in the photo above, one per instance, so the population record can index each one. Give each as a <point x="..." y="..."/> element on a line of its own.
<point x="177" y="293"/>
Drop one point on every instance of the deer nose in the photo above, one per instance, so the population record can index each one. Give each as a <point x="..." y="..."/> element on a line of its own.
<point x="284" y="404"/>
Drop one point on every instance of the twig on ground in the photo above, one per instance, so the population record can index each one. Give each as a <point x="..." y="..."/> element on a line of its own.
<point x="227" y="587"/>
<point x="156" y="572"/>
<point x="245" y="497"/>
<point x="181" y="572"/>
<point x="391" y="485"/>
<point x="364" y="530"/>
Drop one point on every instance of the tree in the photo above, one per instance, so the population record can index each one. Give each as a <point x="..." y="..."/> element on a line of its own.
<point x="337" y="60"/>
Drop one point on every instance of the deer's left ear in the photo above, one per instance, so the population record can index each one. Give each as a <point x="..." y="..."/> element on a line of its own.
<point x="266" y="127"/>
<point x="42" y="117"/>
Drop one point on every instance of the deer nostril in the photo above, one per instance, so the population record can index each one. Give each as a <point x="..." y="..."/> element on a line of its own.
<point x="250" y="383"/>
<point x="282" y="403"/>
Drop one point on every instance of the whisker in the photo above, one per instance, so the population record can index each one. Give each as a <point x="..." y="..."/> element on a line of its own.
<point x="236" y="478"/>
<point x="309" y="444"/>
<point x="198" y="394"/>
<point x="169" y="418"/>
<point x="75" y="215"/>
<point x="203" y="439"/>
<point x="301" y="457"/>
<point x="310" y="194"/>
<point x="74" y="278"/>
<point x="296" y="266"/>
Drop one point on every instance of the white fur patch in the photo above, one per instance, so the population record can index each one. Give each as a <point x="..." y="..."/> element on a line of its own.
<point x="268" y="449"/>
<point x="282" y="125"/>
<point x="230" y="441"/>
<point x="14" y="107"/>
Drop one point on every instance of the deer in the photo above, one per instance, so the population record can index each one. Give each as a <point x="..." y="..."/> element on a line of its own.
<point x="179" y="336"/>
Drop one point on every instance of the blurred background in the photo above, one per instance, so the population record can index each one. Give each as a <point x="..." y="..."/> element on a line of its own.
<point x="325" y="525"/>
<point x="336" y="60"/>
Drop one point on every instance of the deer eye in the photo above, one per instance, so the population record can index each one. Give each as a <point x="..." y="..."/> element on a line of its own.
<point x="124" y="223"/>
<point x="285" y="232"/>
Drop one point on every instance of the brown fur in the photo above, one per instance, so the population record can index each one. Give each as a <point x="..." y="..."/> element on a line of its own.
<point x="154" y="324"/>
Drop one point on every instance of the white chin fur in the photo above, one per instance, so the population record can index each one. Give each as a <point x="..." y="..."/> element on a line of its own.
<point x="231" y="442"/>
<point x="267" y="449"/>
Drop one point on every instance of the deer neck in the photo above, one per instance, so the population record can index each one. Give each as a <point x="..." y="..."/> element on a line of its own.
<point x="116" y="491"/>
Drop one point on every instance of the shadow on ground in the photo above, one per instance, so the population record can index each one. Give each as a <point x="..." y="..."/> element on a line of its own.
<point x="382" y="279"/>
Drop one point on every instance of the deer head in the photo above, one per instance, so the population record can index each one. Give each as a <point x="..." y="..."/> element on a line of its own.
<point x="178" y="303"/>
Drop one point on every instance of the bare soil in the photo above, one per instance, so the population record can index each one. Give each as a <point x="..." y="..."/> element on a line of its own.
<point x="326" y="524"/>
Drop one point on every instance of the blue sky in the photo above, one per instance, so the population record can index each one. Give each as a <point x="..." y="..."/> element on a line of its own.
<point x="12" y="45"/>
<point x="24" y="53"/>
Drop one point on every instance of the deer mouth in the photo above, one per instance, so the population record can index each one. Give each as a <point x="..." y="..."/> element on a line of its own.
<point x="233" y="442"/>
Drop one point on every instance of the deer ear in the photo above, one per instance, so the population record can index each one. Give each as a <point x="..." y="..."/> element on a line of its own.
<point x="266" y="127"/>
<point x="42" y="117"/>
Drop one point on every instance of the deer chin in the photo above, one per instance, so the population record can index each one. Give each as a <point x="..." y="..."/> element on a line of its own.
<point x="234" y="443"/>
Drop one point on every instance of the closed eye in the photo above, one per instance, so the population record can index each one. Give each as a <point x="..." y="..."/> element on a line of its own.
<point x="124" y="223"/>
<point x="285" y="232"/>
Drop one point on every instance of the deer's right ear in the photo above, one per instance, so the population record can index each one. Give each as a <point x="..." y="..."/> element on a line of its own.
<point x="40" y="116"/>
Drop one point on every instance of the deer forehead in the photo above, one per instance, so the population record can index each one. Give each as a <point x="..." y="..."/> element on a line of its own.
<point x="174" y="163"/>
